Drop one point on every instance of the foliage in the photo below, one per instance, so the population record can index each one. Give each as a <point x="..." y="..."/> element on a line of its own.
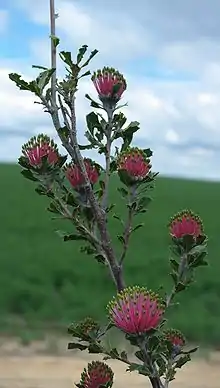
<point x="79" y="193"/>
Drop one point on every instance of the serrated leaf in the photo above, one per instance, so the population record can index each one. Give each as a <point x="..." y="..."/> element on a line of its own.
<point x="66" y="57"/>
<point x="81" y="52"/>
<point x="71" y="237"/>
<point x="44" y="78"/>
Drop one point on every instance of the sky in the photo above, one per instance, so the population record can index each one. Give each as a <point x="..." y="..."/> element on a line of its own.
<point x="168" y="51"/>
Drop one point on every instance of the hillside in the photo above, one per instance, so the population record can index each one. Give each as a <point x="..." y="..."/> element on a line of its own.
<point x="45" y="282"/>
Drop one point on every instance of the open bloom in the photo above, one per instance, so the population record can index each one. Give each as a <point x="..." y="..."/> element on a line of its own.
<point x="135" y="163"/>
<point x="176" y="339"/>
<point x="136" y="310"/>
<point x="39" y="147"/>
<point x="75" y="176"/>
<point x="97" y="374"/>
<point x="109" y="83"/>
<point x="186" y="223"/>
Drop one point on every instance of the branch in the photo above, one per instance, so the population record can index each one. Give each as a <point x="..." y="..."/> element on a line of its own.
<point x="53" y="50"/>
<point x="74" y="152"/>
<point x="128" y="230"/>
<point x="181" y="273"/>
<point x="107" y="160"/>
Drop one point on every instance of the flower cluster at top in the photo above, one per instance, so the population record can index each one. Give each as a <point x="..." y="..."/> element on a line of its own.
<point x="186" y="223"/>
<point x="109" y="83"/>
<point x="75" y="176"/>
<point x="135" y="163"/>
<point x="136" y="310"/>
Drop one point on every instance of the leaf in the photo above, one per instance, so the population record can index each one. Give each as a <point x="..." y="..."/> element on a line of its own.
<point x="121" y="239"/>
<point x="44" y="78"/>
<point x="64" y="132"/>
<point x="94" y="104"/>
<point x="53" y="208"/>
<point x="139" y="355"/>
<point x="180" y="287"/>
<point x="39" y="67"/>
<point x="55" y="40"/>
<point x="29" y="175"/>
<point x="93" y="123"/>
<point x="93" y="53"/>
<point x="66" y="57"/>
<point x="73" y="345"/>
<point x="174" y="264"/>
<point x="81" y="52"/>
<point x="85" y="147"/>
<point x="123" y="191"/>
<point x="148" y="153"/>
<point x="127" y="134"/>
<point x="24" y="85"/>
<point x="182" y="361"/>
<point x="94" y="348"/>
<point x="137" y="227"/>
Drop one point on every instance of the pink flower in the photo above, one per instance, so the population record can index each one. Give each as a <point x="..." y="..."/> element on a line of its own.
<point x="109" y="83"/>
<point x="186" y="223"/>
<point x="97" y="374"/>
<point x="39" y="147"/>
<point x="176" y="339"/>
<point x="135" y="163"/>
<point x="136" y="310"/>
<point x="75" y="176"/>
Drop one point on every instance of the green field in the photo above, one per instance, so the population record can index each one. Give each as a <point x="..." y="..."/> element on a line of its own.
<point x="46" y="283"/>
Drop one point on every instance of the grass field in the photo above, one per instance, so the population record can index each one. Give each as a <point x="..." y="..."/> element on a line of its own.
<point x="47" y="283"/>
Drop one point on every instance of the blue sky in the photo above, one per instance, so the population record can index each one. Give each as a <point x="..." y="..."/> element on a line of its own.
<point x="168" y="51"/>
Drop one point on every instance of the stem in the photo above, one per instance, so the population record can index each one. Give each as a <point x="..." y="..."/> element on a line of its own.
<point x="53" y="50"/>
<point x="127" y="230"/>
<point x="155" y="380"/>
<point x="107" y="160"/>
<point x="181" y="273"/>
<point x="74" y="152"/>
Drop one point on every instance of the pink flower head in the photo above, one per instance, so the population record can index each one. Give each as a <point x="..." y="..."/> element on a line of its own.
<point x="186" y="223"/>
<point x="136" y="310"/>
<point x="109" y="83"/>
<point x="39" y="147"/>
<point x="75" y="176"/>
<point x="176" y="339"/>
<point x="135" y="163"/>
<point x="97" y="374"/>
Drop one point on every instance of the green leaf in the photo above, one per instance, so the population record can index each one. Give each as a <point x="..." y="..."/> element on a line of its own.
<point x="123" y="191"/>
<point x="180" y="287"/>
<point x="93" y="123"/>
<point x="93" y="103"/>
<point x="81" y="52"/>
<point x="139" y="355"/>
<point x="182" y="361"/>
<point x="127" y="134"/>
<point x="137" y="227"/>
<point x="28" y="174"/>
<point x="44" y="78"/>
<point x="73" y="345"/>
<point x="93" y="53"/>
<point x="63" y="132"/>
<point x="24" y="85"/>
<point x="148" y="153"/>
<point x="174" y="264"/>
<point x="66" y="57"/>
<point x="55" y="40"/>
<point x="39" y="67"/>
<point x="121" y="239"/>
<point x="71" y="237"/>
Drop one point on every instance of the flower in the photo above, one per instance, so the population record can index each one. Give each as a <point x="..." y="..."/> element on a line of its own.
<point x="39" y="147"/>
<point x="98" y="373"/>
<point x="75" y="176"/>
<point x="84" y="328"/>
<point x="136" y="310"/>
<point x="135" y="163"/>
<point x="109" y="83"/>
<point x="176" y="340"/>
<point x="186" y="223"/>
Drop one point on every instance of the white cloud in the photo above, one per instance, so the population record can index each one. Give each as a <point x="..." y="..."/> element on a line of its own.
<point x="4" y="20"/>
<point x="180" y="119"/>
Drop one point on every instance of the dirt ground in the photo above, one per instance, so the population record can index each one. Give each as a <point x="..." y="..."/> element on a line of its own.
<point x="31" y="367"/>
